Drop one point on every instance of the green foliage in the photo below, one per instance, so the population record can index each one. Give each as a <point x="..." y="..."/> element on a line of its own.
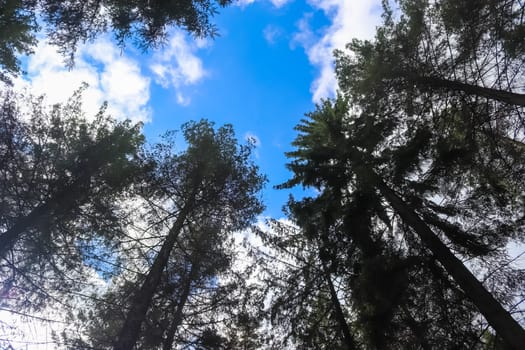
<point x="70" y="23"/>
<point x="62" y="178"/>
<point x="195" y="199"/>
<point x="386" y="270"/>
<point x="442" y="146"/>
<point x="413" y="116"/>
<point x="17" y="27"/>
<point x="215" y="169"/>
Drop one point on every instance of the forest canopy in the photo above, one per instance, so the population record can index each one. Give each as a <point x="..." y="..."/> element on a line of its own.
<point x="416" y="168"/>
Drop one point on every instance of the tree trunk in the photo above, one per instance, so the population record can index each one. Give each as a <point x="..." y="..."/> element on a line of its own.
<point x="341" y="319"/>
<point x="501" y="320"/>
<point x="494" y="94"/>
<point x="131" y="329"/>
<point x="167" y="344"/>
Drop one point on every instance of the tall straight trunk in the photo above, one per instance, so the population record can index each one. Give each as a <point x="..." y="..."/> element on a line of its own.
<point x="141" y="302"/>
<point x="167" y="344"/>
<point x="501" y="320"/>
<point x="340" y="316"/>
<point x="494" y="94"/>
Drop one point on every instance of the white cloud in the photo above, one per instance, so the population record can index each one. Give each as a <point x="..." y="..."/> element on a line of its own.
<point x="304" y="36"/>
<point x="350" y="19"/>
<point x="177" y="64"/>
<point x="276" y="3"/>
<point x="183" y="100"/>
<point x="244" y="3"/>
<point x="111" y="77"/>
<point x="279" y="3"/>
<point x="271" y="33"/>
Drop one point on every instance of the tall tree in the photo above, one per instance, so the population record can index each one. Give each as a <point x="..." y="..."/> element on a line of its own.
<point x="62" y="177"/>
<point x="214" y="179"/>
<point x="437" y="73"/>
<point x="337" y="149"/>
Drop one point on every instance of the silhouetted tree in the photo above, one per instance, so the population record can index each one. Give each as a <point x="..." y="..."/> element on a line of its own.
<point x="62" y="178"/>
<point x="213" y="180"/>
<point x="342" y="154"/>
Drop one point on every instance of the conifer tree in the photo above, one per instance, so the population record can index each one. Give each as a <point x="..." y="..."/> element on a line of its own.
<point x="342" y="154"/>
<point x="62" y="178"/>
<point x="212" y="181"/>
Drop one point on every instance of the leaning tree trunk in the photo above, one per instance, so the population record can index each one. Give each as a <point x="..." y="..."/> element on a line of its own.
<point x="340" y="316"/>
<point x="141" y="302"/>
<point x="494" y="94"/>
<point x="499" y="318"/>
<point x="167" y="344"/>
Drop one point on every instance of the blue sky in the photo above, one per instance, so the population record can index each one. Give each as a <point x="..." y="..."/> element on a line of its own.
<point x="270" y="64"/>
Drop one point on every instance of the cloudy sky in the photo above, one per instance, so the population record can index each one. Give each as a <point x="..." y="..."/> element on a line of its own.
<point x="270" y="64"/>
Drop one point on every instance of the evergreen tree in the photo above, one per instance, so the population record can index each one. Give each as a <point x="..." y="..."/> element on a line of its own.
<point x="212" y="181"/>
<point x="438" y="86"/>
<point x="62" y="178"/>
<point x="342" y="153"/>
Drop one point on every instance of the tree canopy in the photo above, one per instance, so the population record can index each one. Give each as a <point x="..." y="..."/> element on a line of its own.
<point x="212" y="183"/>
<point x="62" y="180"/>
<point x="67" y="24"/>
<point x="417" y="166"/>
<point x="417" y="163"/>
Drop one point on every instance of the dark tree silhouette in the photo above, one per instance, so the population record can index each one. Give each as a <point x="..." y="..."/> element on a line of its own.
<point x="213" y="179"/>
<point x="61" y="180"/>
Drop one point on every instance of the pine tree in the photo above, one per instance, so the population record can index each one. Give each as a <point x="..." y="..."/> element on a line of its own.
<point x="342" y="155"/>
<point x="214" y="181"/>
<point x="62" y="180"/>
